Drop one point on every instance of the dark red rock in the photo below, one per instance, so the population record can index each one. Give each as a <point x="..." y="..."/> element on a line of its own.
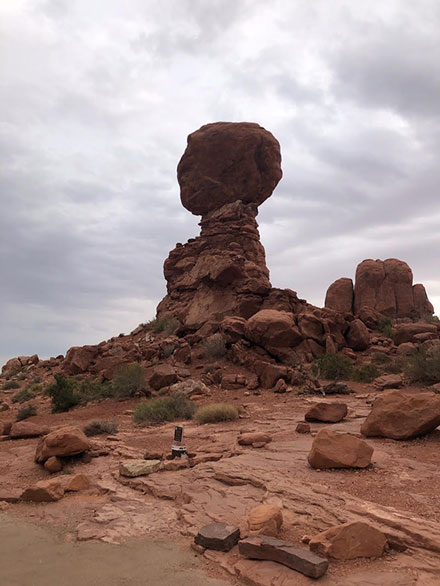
<point x="218" y="536"/>
<point x="326" y="412"/>
<point x="302" y="427"/>
<point x="225" y="162"/>
<point x="339" y="295"/>
<point x="162" y="375"/>
<point x="358" y="336"/>
<point x="262" y="547"/>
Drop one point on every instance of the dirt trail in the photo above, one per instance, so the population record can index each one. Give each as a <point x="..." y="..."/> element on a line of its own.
<point x="34" y="556"/>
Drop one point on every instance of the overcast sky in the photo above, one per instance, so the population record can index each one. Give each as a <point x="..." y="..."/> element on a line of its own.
<point x="98" y="96"/>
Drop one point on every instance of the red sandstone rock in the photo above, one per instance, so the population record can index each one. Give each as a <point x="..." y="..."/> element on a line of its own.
<point x="339" y="450"/>
<point x="67" y="441"/>
<point x="400" y="416"/>
<point x="225" y="162"/>
<point x="265" y="520"/>
<point x="408" y="332"/>
<point x="358" y="336"/>
<point x="45" y="491"/>
<point x="252" y="437"/>
<point x="162" y="375"/>
<point x="79" y="359"/>
<point x="53" y="464"/>
<point x="349" y="541"/>
<point x="271" y="329"/>
<point x="422" y="305"/>
<point x="326" y="412"/>
<point x="339" y="295"/>
<point x="388" y="381"/>
<point x="23" y="429"/>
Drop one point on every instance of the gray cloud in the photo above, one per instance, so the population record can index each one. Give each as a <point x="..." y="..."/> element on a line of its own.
<point x="97" y="101"/>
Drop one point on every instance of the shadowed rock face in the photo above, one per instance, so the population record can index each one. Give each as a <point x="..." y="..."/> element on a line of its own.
<point x="385" y="287"/>
<point x="227" y="170"/>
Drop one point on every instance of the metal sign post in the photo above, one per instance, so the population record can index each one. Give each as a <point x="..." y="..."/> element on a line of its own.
<point x="178" y="448"/>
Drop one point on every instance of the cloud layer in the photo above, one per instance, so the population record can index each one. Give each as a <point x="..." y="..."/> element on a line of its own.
<point x="98" y="98"/>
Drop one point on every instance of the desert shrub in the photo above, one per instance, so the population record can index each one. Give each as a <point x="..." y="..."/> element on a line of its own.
<point x="175" y="406"/>
<point x="11" y="384"/>
<point x="93" y="390"/>
<point x="24" y="395"/>
<point x="395" y="366"/>
<point x="332" y="367"/>
<point x="128" y="380"/>
<point x="366" y="373"/>
<point x="214" y="347"/>
<point x="63" y="393"/>
<point x="430" y="319"/>
<point x="21" y="376"/>
<point x="168" y="349"/>
<point x="385" y="326"/>
<point x="423" y="367"/>
<point x="165" y="324"/>
<point x="380" y="357"/>
<point x="100" y="427"/>
<point x="216" y="412"/>
<point x="26" y="412"/>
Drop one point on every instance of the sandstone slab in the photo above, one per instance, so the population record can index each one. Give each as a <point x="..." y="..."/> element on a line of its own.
<point x="77" y="482"/>
<point x="326" y="412"/>
<point x="388" y="381"/>
<point x="23" y="429"/>
<point x="401" y="416"/>
<point x="218" y="536"/>
<point x="339" y="450"/>
<point x="349" y="541"/>
<point x="45" y="491"/>
<point x="133" y="468"/>
<point x="254" y="437"/>
<point x="261" y="547"/>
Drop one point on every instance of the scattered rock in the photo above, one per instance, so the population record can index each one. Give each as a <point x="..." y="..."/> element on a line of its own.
<point x="162" y="375"/>
<point x="133" y="468"/>
<point x="388" y="381"/>
<point x="190" y="387"/>
<point x="326" y="412"/>
<point x="254" y="437"/>
<point x="53" y="464"/>
<point x="400" y="416"/>
<point x="5" y="427"/>
<point x="339" y="450"/>
<point x="280" y="387"/>
<point x="302" y="427"/>
<point x="269" y="548"/>
<point x="77" y="482"/>
<point x="4" y="406"/>
<point x="23" y="429"/>
<point x="233" y="381"/>
<point x="265" y="520"/>
<point x="349" y="541"/>
<point x="67" y="441"/>
<point x="45" y="491"/>
<point x="218" y="536"/>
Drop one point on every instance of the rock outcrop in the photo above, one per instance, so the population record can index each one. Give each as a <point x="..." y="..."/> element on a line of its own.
<point x="386" y="287"/>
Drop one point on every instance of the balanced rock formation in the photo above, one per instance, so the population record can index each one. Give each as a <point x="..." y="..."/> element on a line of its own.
<point x="386" y="287"/>
<point x="67" y="441"/>
<point x="227" y="170"/>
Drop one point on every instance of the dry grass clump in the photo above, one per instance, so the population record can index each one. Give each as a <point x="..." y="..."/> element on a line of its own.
<point x="176" y="406"/>
<point x="216" y="412"/>
<point x="26" y="412"/>
<point x="214" y="347"/>
<point x="99" y="427"/>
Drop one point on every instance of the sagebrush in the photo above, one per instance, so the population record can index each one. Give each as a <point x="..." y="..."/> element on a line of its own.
<point x="332" y="367"/>
<point x="216" y="412"/>
<point x="175" y="406"/>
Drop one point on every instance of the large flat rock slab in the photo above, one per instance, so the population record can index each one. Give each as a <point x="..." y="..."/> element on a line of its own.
<point x="262" y="547"/>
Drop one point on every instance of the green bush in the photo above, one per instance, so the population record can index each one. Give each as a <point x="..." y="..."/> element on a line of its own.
<point x="332" y="367"/>
<point x="93" y="390"/>
<point x="64" y="394"/>
<point x="379" y="357"/>
<point x="11" y="384"/>
<point x="423" y="367"/>
<point x="101" y="427"/>
<point x="214" y="347"/>
<point x="385" y="326"/>
<point x="216" y="412"/>
<point x="165" y="324"/>
<point x="395" y="366"/>
<point x="128" y="380"/>
<point x="430" y="319"/>
<point x="175" y="406"/>
<point x="168" y="350"/>
<point x="24" y="395"/>
<point x="26" y="412"/>
<point x="366" y="373"/>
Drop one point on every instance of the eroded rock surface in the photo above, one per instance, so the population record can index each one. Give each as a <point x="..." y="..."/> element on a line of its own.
<point x="349" y="541"/>
<point x="339" y="450"/>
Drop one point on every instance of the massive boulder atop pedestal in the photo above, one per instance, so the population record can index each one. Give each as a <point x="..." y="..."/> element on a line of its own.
<point x="227" y="162"/>
<point x="382" y="286"/>
<point x="227" y="170"/>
